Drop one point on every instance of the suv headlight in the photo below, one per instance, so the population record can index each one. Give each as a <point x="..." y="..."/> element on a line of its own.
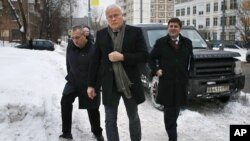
<point x="237" y="68"/>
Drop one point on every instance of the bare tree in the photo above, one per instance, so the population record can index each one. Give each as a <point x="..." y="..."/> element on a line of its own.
<point x="244" y="25"/>
<point x="96" y="18"/>
<point x="21" y="21"/>
<point x="54" y="17"/>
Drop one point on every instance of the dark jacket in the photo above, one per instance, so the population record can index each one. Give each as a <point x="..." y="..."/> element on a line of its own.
<point x="135" y="52"/>
<point x="172" y="88"/>
<point x="77" y="61"/>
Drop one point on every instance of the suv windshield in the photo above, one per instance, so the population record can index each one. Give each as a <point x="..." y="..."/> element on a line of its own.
<point x="193" y="35"/>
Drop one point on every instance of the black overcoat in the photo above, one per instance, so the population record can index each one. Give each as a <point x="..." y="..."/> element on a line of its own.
<point x="135" y="52"/>
<point x="175" y="63"/>
<point x="78" y="62"/>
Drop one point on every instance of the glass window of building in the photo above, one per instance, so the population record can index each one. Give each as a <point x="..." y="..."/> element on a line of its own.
<point x="207" y="21"/>
<point x="183" y="12"/>
<point x="178" y="12"/>
<point x="214" y="35"/>
<point x="232" y="20"/>
<point x="208" y="8"/>
<point x="188" y="10"/>
<point x="232" y="36"/>
<point x="188" y="22"/>
<point x="194" y="22"/>
<point x="16" y="34"/>
<point x="223" y="21"/>
<point x="194" y="10"/>
<point x="233" y="4"/>
<point x="222" y="5"/>
<point x="215" y="21"/>
<point x="215" y="6"/>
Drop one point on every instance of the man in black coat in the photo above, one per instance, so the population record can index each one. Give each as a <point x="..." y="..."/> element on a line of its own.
<point x="119" y="49"/>
<point x="171" y="60"/>
<point x="78" y="55"/>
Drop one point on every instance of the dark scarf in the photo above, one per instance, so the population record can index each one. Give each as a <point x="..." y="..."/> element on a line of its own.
<point x="121" y="78"/>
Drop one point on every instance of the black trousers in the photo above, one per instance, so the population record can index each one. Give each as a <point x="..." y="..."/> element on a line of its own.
<point x="66" y="111"/>
<point x="170" y="119"/>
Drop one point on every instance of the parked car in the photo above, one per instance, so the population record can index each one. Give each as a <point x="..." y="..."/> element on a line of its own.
<point x="39" y="44"/>
<point x="248" y="56"/>
<point x="216" y="74"/>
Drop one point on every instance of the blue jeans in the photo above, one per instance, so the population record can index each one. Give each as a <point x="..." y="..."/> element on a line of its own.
<point x="134" y="120"/>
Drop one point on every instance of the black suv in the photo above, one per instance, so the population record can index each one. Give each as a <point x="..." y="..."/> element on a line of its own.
<point x="217" y="74"/>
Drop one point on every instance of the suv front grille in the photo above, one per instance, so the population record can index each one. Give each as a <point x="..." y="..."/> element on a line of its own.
<point x="214" y="67"/>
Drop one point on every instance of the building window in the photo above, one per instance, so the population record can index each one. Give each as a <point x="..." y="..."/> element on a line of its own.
<point x="215" y="6"/>
<point x="215" y="21"/>
<point x="194" y="23"/>
<point x="178" y="12"/>
<point x="200" y="26"/>
<point x="208" y="8"/>
<point x="152" y="6"/>
<point x="223" y="36"/>
<point x="183" y="22"/>
<point x="170" y="8"/>
<point x="188" y="22"/>
<point x="161" y="7"/>
<point x="223" y="21"/>
<point x="161" y="14"/>
<point x="153" y="14"/>
<point x="214" y="35"/>
<point x="233" y="4"/>
<point x="232" y="20"/>
<point x="200" y="12"/>
<point x="183" y="12"/>
<point x="16" y="34"/>
<point x="194" y="10"/>
<point x="207" y="21"/>
<point x="222" y="5"/>
<point x="188" y="11"/>
<point x="232" y="36"/>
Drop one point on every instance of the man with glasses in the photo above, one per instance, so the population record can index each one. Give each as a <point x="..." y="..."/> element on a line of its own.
<point x="78" y="55"/>
<point x="119" y="49"/>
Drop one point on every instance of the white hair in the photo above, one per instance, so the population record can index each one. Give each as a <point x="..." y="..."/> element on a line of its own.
<point x="112" y="6"/>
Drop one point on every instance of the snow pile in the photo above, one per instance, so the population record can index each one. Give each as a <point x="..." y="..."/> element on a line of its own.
<point x="31" y="84"/>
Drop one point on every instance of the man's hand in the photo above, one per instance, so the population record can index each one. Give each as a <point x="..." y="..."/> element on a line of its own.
<point x="159" y="72"/>
<point x="116" y="56"/>
<point x="91" y="92"/>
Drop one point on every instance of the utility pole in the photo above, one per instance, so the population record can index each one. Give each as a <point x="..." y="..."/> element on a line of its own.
<point x="223" y="25"/>
<point x="71" y="17"/>
<point x="89" y="14"/>
<point x="141" y="15"/>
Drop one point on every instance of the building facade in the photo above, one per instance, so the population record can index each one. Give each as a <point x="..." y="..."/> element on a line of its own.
<point x="207" y="16"/>
<point x="152" y="11"/>
<point x="9" y="28"/>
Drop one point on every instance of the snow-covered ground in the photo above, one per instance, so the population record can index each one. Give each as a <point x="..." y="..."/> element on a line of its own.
<point x="31" y="83"/>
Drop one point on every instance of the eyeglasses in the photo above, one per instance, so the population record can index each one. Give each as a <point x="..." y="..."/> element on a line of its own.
<point x="76" y="38"/>
<point x="110" y="17"/>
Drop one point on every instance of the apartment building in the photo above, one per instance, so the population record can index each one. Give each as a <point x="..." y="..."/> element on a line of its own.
<point x="9" y="29"/>
<point x="152" y="11"/>
<point x="206" y="16"/>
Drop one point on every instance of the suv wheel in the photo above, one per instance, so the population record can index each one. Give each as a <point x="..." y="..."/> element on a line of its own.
<point x="154" y="93"/>
<point x="248" y="58"/>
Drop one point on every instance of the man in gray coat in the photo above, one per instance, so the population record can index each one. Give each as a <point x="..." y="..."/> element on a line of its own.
<point x="119" y="49"/>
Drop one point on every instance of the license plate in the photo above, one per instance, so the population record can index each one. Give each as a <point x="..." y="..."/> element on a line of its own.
<point x="218" y="89"/>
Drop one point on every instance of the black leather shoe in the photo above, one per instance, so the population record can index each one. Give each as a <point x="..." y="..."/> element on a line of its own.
<point x="100" y="138"/>
<point x="66" y="136"/>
